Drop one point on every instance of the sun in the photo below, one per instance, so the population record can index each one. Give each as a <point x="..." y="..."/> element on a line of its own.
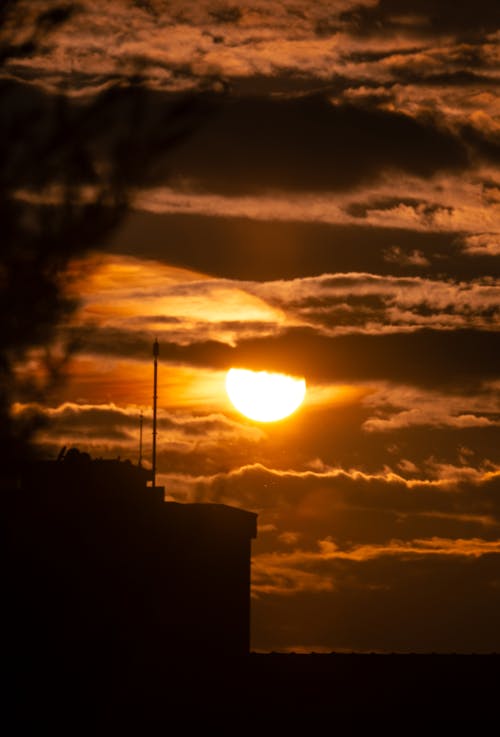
<point x="264" y="396"/>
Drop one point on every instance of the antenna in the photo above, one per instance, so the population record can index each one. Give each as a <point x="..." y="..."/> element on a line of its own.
<point x="156" y="353"/>
<point x="141" y="416"/>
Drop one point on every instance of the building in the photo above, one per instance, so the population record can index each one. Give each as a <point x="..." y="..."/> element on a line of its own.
<point x="101" y="567"/>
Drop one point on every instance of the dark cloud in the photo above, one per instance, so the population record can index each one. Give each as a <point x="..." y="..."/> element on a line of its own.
<point x="486" y="145"/>
<point x="458" y="64"/>
<point x="242" y="248"/>
<point x="338" y="435"/>
<point x="392" y="604"/>
<point x="19" y="38"/>
<point x="293" y="83"/>
<point x="461" y="78"/>
<point x="101" y="420"/>
<point x="425" y="357"/>
<point x="261" y="144"/>
<point x="137" y="345"/>
<point x="453" y="359"/>
<point x="356" y="508"/>
<point x="226" y="14"/>
<point x="427" y="17"/>
<point x="361" y="209"/>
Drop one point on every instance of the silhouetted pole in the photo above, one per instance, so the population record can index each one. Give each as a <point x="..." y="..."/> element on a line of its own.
<point x="156" y="353"/>
<point x="140" y="438"/>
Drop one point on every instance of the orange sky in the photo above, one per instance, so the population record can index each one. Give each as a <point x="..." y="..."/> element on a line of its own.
<point x="311" y="188"/>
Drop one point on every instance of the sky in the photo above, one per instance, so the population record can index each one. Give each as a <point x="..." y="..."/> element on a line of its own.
<point x="304" y="187"/>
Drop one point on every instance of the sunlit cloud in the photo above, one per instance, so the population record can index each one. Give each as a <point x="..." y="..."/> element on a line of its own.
<point x="226" y="486"/>
<point x="146" y="298"/>
<point x="154" y="298"/>
<point x="397" y="256"/>
<point x="399" y="407"/>
<point x="446" y="203"/>
<point x="484" y="520"/>
<point x="483" y="244"/>
<point x="410" y="302"/>
<point x="173" y="45"/>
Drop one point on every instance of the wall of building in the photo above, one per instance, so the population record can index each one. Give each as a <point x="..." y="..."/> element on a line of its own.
<point x="102" y="569"/>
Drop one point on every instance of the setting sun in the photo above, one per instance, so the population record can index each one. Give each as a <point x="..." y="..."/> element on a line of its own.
<point x="263" y="396"/>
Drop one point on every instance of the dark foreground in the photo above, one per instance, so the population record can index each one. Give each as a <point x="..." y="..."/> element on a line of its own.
<point x="237" y="695"/>
<point x="109" y="595"/>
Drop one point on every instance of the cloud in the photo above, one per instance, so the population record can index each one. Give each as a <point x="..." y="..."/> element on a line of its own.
<point x="447" y="204"/>
<point x="333" y="303"/>
<point x="461" y="359"/>
<point x="250" y="248"/>
<point x="413" y="552"/>
<point x="172" y="43"/>
<point x="427" y="226"/>
<point x="176" y="46"/>
<point x="418" y="417"/>
<point x="421" y="604"/>
<point x="285" y="577"/>
<point x="399" y="407"/>
<point x="308" y="143"/>
<point x="259" y="487"/>
<point x="456" y="357"/>
<point x="115" y="363"/>
<point x="114" y="430"/>
<point x="395" y="255"/>
<point x="423" y="16"/>
<point x="111" y="289"/>
<point x="360" y="511"/>
<point x="289" y="573"/>
<point x="289" y="538"/>
<point x="487" y="244"/>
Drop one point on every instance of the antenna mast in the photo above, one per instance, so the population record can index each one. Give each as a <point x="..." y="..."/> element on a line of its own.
<point x="156" y="353"/>
<point x="140" y="437"/>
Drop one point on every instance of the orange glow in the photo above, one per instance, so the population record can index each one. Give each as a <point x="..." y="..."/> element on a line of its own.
<point x="117" y="290"/>
<point x="131" y="382"/>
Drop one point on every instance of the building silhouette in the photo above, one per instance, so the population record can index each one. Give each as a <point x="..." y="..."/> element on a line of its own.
<point x="102" y="569"/>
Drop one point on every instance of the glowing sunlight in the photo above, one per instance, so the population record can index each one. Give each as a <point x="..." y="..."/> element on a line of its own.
<point x="263" y="396"/>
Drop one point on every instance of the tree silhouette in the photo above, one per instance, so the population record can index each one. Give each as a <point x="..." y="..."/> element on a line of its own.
<point x="70" y="168"/>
